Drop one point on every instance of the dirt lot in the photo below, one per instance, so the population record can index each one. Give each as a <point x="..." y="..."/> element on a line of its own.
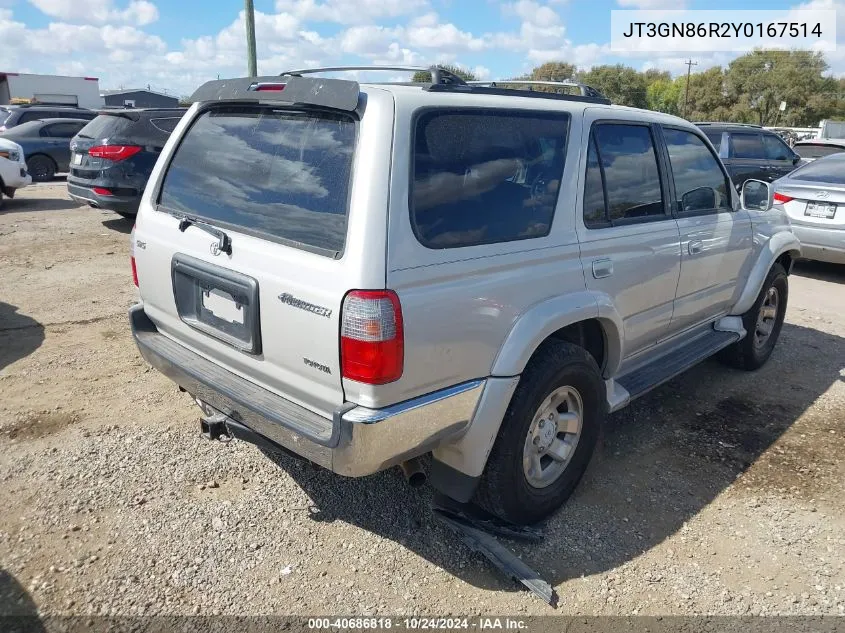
<point x="719" y="493"/>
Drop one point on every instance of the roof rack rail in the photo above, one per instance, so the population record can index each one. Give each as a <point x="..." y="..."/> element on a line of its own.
<point x="586" y="93"/>
<point x="438" y="75"/>
<point x="726" y="123"/>
<point x="583" y="89"/>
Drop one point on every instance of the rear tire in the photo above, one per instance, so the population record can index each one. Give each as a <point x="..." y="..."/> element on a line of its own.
<point x="42" y="168"/>
<point x="557" y="409"/>
<point x="763" y="323"/>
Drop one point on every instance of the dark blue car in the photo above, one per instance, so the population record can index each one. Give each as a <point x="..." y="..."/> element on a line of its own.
<point x="113" y="156"/>
<point x="46" y="145"/>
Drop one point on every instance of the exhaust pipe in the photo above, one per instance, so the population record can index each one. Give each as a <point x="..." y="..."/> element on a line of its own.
<point x="414" y="473"/>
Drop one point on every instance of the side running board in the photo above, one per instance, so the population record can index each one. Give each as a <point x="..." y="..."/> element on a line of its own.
<point x="662" y="369"/>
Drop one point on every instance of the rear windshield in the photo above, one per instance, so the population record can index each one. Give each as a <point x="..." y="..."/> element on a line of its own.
<point x="270" y="171"/>
<point x="833" y="129"/>
<point x="830" y="170"/>
<point x="817" y="151"/>
<point x="104" y="126"/>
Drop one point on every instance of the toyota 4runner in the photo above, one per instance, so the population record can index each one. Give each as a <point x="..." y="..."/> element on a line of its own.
<point x="362" y="274"/>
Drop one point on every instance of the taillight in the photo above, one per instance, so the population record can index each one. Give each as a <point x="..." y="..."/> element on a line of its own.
<point x="132" y="256"/>
<point x="102" y="191"/>
<point x="114" y="152"/>
<point x="779" y="197"/>
<point x="372" y="344"/>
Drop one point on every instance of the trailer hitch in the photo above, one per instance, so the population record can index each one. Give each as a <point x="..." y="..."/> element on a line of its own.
<point x="477" y="528"/>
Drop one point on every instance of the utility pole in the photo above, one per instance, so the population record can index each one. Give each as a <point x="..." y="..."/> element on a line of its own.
<point x="249" y="15"/>
<point x="689" y="64"/>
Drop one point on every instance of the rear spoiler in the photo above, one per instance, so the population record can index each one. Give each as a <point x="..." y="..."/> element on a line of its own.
<point x="337" y="94"/>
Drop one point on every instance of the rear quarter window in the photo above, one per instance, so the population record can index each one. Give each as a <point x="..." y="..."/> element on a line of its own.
<point x="273" y="172"/>
<point x="485" y="176"/>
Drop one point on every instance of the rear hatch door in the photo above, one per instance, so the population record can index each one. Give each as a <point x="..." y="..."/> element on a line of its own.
<point x="106" y="129"/>
<point x="275" y="184"/>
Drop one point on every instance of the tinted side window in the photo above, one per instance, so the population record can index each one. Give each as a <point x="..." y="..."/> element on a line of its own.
<point x="62" y="130"/>
<point x="747" y="145"/>
<point x="631" y="176"/>
<point x="595" y="209"/>
<point x="485" y="176"/>
<point x="715" y="138"/>
<point x="700" y="184"/>
<point x="29" y="116"/>
<point x="775" y="148"/>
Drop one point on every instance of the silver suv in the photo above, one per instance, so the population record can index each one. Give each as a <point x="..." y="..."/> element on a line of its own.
<point x="364" y="274"/>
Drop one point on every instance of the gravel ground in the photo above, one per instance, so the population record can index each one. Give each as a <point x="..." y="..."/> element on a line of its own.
<point x="719" y="493"/>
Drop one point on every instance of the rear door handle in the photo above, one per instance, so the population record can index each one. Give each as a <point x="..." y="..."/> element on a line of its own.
<point x="602" y="268"/>
<point x="695" y="247"/>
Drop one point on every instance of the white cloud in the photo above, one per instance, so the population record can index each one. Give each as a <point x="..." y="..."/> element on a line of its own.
<point x="140" y="12"/>
<point x="653" y="4"/>
<point x="349" y="11"/>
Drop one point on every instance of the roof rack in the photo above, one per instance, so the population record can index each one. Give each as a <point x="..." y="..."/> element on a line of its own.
<point x="583" y="89"/>
<point x="726" y="124"/>
<point x="586" y="93"/>
<point x="438" y="75"/>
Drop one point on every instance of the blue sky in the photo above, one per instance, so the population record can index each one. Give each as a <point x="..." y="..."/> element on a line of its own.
<point x="178" y="44"/>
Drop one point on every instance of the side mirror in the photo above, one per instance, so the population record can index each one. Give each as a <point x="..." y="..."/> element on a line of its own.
<point x="757" y="195"/>
<point x="699" y="199"/>
<point x="795" y="159"/>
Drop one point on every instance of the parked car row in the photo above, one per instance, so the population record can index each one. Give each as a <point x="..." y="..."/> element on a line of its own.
<point x="108" y="155"/>
<point x="113" y="155"/>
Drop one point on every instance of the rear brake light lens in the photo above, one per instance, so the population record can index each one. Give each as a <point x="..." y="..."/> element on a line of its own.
<point x="268" y="87"/>
<point x="372" y="342"/>
<point x="114" y="152"/>
<point x="779" y="197"/>
<point x="102" y="191"/>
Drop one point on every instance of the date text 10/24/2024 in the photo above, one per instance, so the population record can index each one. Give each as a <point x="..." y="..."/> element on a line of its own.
<point x="417" y="623"/>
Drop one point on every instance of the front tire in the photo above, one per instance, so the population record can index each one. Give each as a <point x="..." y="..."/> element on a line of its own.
<point x="547" y="437"/>
<point x="763" y="323"/>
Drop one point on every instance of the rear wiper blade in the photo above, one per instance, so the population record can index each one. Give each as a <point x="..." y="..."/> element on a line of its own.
<point x="224" y="242"/>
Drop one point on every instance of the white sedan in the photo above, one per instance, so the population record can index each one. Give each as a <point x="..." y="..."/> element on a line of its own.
<point x="13" y="174"/>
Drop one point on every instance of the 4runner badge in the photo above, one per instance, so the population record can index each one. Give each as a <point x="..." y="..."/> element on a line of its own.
<point x="304" y="305"/>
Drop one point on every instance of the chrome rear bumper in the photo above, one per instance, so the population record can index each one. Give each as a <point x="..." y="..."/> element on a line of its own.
<point x="357" y="440"/>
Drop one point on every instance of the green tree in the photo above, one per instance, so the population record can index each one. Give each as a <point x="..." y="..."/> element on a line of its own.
<point x="664" y="95"/>
<point x="424" y="77"/>
<point x="621" y="84"/>
<point x="550" y="71"/>
<point x="757" y="82"/>
<point x="708" y="99"/>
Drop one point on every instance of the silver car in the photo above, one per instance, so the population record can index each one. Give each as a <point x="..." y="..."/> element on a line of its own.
<point x="814" y="198"/>
<point x="363" y="274"/>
